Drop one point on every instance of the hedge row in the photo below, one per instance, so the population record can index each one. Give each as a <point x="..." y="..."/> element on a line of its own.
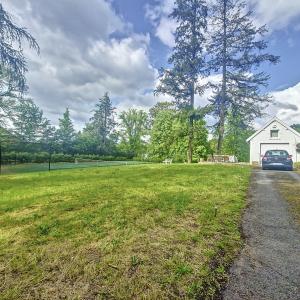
<point x="42" y="157"/>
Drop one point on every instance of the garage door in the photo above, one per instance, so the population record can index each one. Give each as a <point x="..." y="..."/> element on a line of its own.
<point x="276" y="146"/>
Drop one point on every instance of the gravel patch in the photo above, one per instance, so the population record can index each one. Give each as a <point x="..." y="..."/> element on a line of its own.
<point x="269" y="264"/>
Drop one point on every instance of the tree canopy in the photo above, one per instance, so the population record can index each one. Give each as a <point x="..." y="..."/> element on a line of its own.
<point x="65" y="134"/>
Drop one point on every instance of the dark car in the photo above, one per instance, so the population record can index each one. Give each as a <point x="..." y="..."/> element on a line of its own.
<point x="277" y="159"/>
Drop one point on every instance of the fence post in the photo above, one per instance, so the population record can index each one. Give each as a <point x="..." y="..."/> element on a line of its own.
<point x="0" y="158"/>
<point x="50" y="154"/>
<point x="49" y="162"/>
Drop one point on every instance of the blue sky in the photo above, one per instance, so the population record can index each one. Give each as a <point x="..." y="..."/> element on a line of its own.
<point x="284" y="42"/>
<point x="118" y="46"/>
<point x="134" y="11"/>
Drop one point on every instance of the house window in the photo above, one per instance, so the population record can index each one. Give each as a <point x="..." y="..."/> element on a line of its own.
<point x="274" y="133"/>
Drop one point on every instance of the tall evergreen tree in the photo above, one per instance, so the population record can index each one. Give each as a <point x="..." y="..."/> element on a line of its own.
<point x="12" y="61"/>
<point x="65" y="134"/>
<point x="103" y="123"/>
<point x="29" y="123"/>
<point x="236" y="50"/>
<point x="12" y="64"/>
<point x="182" y="80"/>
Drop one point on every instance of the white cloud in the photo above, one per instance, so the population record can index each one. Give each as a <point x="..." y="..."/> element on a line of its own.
<point x="164" y="26"/>
<point x="286" y="105"/>
<point x="81" y="58"/>
<point x="165" y="31"/>
<point x="276" y="14"/>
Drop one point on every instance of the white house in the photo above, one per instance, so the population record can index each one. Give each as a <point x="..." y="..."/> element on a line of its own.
<point x="275" y="135"/>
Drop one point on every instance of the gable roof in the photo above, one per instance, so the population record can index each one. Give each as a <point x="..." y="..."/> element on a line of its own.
<point x="270" y="122"/>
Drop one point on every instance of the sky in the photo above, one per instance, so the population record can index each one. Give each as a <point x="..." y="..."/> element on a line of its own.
<point x="117" y="46"/>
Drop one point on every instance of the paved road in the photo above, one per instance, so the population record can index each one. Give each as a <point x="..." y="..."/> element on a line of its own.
<point x="269" y="264"/>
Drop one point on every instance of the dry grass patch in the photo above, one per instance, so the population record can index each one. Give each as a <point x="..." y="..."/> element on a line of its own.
<point x="136" y="232"/>
<point x="290" y="190"/>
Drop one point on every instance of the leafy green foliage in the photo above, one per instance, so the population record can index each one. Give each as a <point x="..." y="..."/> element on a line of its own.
<point x="65" y="135"/>
<point x="134" y="124"/>
<point x="236" y="134"/>
<point x="8" y="100"/>
<point x="29" y="123"/>
<point x="158" y="107"/>
<point x="187" y="60"/>
<point x="170" y="136"/>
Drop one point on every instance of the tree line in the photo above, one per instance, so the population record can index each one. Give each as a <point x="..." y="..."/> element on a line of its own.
<point x="133" y="134"/>
<point x="213" y="39"/>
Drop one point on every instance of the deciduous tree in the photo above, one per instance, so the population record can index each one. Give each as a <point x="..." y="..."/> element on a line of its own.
<point x="134" y="128"/>
<point x="237" y="130"/>
<point x="168" y="136"/>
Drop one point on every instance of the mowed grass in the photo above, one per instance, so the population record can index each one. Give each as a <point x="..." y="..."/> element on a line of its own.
<point x="129" y="232"/>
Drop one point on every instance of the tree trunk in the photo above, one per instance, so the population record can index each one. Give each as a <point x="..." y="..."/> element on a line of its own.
<point x="191" y="137"/>
<point x="191" y="126"/>
<point x="224" y="85"/>
<point x="221" y="130"/>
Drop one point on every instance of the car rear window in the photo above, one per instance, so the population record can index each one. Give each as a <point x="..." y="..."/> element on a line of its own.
<point x="277" y="153"/>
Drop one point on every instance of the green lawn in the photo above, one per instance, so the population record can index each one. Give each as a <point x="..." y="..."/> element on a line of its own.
<point x="128" y="232"/>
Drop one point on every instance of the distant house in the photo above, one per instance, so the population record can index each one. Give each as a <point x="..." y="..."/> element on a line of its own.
<point x="275" y="135"/>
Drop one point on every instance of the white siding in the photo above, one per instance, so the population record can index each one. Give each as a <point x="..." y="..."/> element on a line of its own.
<point x="287" y="140"/>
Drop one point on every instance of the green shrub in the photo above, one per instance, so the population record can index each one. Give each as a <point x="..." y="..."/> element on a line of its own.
<point x="40" y="157"/>
<point x="43" y="157"/>
<point x="60" y="157"/>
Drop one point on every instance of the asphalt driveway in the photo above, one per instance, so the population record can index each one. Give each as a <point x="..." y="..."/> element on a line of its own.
<point x="269" y="264"/>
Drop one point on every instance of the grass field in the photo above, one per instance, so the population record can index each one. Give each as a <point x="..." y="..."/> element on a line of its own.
<point x="39" y="167"/>
<point x="127" y="232"/>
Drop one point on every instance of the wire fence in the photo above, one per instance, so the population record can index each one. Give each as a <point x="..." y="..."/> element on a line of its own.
<point x="7" y="169"/>
<point x="24" y="157"/>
